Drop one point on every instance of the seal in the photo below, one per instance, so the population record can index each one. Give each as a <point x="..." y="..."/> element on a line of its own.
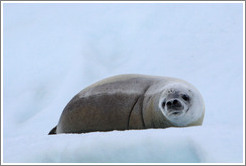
<point x="132" y="101"/>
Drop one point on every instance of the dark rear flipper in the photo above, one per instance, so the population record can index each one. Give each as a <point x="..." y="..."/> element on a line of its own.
<point x="53" y="131"/>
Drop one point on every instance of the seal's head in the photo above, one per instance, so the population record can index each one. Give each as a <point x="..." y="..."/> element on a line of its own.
<point x="182" y="104"/>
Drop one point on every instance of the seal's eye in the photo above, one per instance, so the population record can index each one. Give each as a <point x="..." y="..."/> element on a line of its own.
<point x="186" y="97"/>
<point x="163" y="104"/>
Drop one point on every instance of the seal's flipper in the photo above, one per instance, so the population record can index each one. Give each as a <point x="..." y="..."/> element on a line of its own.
<point x="53" y="131"/>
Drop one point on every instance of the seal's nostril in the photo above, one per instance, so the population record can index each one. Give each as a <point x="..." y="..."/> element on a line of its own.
<point x="169" y="103"/>
<point x="175" y="102"/>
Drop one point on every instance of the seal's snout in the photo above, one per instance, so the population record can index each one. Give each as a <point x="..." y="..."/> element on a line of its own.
<point x="174" y="104"/>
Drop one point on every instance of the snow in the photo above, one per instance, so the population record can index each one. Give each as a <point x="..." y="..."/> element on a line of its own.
<point x="52" y="51"/>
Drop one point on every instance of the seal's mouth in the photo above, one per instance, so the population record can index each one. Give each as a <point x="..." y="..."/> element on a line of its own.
<point x="177" y="112"/>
